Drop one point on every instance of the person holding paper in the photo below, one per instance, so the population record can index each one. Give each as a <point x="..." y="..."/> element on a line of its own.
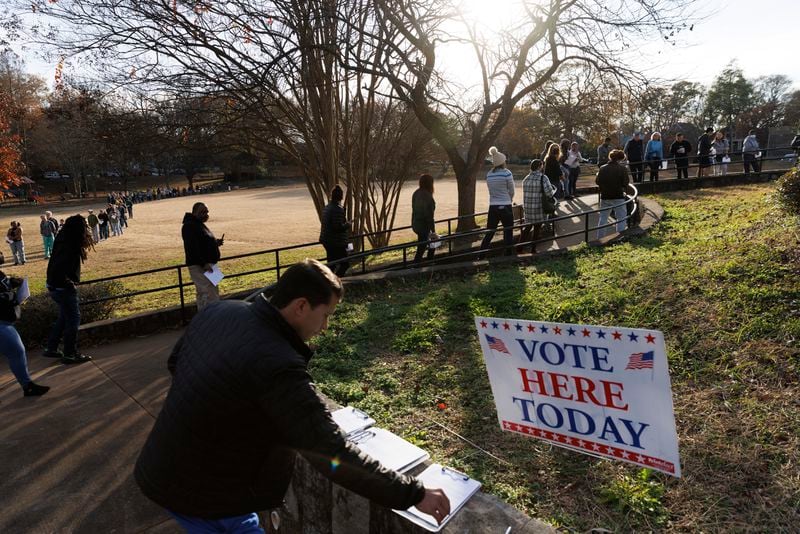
<point x="202" y="252"/>
<point x="242" y="405"/>
<point x="750" y="150"/>
<point x="10" y="343"/>
<point x="70" y="250"/>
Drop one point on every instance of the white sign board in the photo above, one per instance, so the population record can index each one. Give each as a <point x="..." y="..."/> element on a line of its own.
<point x="603" y="391"/>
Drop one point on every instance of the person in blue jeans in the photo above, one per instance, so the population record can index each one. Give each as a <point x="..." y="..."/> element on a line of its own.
<point x="10" y="343"/>
<point x="63" y="274"/>
<point x="500" y="182"/>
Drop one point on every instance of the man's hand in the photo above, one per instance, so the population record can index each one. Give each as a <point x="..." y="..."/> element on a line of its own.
<point x="435" y="503"/>
<point x="221" y="241"/>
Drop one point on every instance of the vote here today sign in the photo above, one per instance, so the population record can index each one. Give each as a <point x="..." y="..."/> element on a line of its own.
<point x="603" y="391"/>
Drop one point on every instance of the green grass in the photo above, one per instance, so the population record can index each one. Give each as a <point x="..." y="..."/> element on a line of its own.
<point x="718" y="276"/>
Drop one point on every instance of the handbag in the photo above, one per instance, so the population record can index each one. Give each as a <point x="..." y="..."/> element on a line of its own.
<point x="548" y="202"/>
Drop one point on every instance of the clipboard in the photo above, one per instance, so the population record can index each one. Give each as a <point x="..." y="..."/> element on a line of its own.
<point x="389" y="449"/>
<point x="458" y="487"/>
<point x="352" y="419"/>
<point x="392" y="451"/>
<point x="215" y="276"/>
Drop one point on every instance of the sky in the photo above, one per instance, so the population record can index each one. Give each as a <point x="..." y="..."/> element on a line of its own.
<point x="759" y="35"/>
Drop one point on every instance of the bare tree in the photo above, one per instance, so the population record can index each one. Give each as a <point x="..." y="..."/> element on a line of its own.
<point x="280" y="60"/>
<point x="511" y="64"/>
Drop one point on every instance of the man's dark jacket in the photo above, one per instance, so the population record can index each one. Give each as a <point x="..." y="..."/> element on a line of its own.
<point x="634" y="150"/>
<point x="613" y="179"/>
<point x="334" y="230"/>
<point x="241" y="403"/>
<point x="199" y="243"/>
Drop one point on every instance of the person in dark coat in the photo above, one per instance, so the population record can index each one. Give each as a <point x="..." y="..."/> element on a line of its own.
<point x="10" y="343"/>
<point x="704" y="159"/>
<point x="202" y="252"/>
<point x="613" y="180"/>
<point x="242" y="405"/>
<point x="423" y="207"/>
<point x="70" y="250"/>
<point x="680" y="150"/>
<point x="634" y="153"/>
<point x="334" y="232"/>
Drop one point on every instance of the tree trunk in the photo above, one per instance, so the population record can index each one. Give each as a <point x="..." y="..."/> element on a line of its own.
<point x="466" y="198"/>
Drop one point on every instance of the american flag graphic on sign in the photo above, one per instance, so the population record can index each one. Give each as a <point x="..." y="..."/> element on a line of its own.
<point x="497" y="344"/>
<point x="640" y="360"/>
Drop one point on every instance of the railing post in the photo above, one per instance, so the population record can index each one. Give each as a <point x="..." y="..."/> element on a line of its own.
<point x="363" y="257"/>
<point x="449" y="233"/>
<point x="183" y="302"/>
<point x="278" y="264"/>
<point x="586" y="228"/>
<point x="404" y="257"/>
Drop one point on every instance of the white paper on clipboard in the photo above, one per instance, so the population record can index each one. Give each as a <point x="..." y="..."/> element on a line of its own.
<point x="215" y="276"/>
<point x="456" y="485"/>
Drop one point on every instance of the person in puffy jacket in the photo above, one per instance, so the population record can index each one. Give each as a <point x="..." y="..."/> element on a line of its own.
<point x="334" y="231"/>
<point x="500" y="182"/>
<point x="242" y="405"/>
<point x="10" y="343"/>
<point x="653" y="154"/>
<point x="202" y="252"/>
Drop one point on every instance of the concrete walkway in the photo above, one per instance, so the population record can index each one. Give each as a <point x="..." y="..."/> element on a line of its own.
<point x="67" y="457"/>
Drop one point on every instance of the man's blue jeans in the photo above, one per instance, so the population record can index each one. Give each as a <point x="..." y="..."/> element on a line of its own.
<point x="69" y="319"/>
<point x="12" y="348"/>
<point x="620" y="212"/>
<point x="242" y="524"/>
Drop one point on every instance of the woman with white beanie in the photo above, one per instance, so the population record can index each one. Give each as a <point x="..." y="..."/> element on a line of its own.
<point x="500" y="182"/>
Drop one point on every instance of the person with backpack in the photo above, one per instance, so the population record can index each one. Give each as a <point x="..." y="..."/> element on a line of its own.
<point x="11" y="345"/>
<point x="48" y="232"/>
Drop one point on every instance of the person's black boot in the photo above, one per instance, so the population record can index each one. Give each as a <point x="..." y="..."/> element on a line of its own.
<point x="53" y="354"/>
<point x="75" y="358"/>
<point x="34" y="390"/>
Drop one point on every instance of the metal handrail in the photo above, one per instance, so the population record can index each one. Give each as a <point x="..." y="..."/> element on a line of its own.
<point x="449" y="238"/>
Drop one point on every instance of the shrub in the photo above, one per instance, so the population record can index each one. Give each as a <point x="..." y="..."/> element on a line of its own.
<point x="39" y="312"/>
<point x="789" y="191"/>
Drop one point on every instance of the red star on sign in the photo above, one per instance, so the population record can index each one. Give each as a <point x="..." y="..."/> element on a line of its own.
<point x="650" y="338"/>
<point x="506" y="326"/>
<point x="617" y="335"/>
<point x="531" y="328"/>
<point x="557" y="330"/>
<point x="586" y="333"/>
<point x="483" y="324"/>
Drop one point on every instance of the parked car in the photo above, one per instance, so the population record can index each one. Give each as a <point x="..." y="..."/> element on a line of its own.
<point x="791" y="157"/>
<point x="52" y="175"/>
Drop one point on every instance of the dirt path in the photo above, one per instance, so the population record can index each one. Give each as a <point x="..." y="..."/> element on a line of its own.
<point x="251" y="219"/>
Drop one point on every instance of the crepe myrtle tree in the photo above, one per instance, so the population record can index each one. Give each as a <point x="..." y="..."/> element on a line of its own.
<point x="282" y="61"/>
<point x="510" y="61"/>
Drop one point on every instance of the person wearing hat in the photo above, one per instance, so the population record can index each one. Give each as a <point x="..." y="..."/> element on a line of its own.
<point x="500" y="182"/>
<point x="94" y="224"/>
<point x="634" y="153"/>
